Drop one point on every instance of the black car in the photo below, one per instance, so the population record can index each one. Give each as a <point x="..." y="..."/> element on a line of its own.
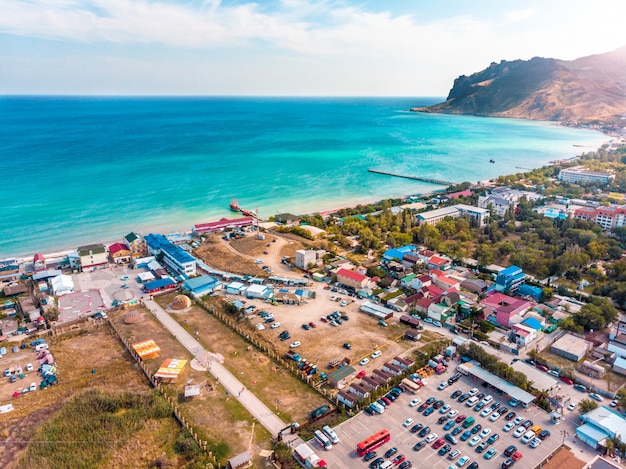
<point x="510" y="416"/>
<point x="456" y="394"/>
<point x="425" y="431"/>
<point x="419" y="445"/>
<point x="376" y="462"/>
<point x="482" y="447"/>
<point x="493" y="438"/>
<point x="463" y="397"/>
<point x="416" y="428"/>
<point x="457" y="430"/>
<point x="479" y="406"/>
<point x="495" y="405"/>
<point x="422" y="408"/>
<point x="508" y="463"/>
<point x="510" y="450"/>
<point x="438" y="404"/>
<point x="527" y="424"/>
<point x="370" y="455"/>
<point x="543" y="434"/>
<point x="390" y="452"/>
<point x="283" y="334"/>
<point x="391" y="397"/>
<point x="503" y="410"/>
<point x="430" y="400"/>
<point x="480" y="395"/>
<point x="369" y="410"/>
<point x="478" y="427"/>
<point x="406" y="465"/>
<point x="443" y="419"/>
<point x="444" y="450"/>
<point x="285" y="337"/>
<point x="474" y="465"/>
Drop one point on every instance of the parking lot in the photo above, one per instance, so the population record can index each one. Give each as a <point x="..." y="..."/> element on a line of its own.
<point x="351" y="432"/>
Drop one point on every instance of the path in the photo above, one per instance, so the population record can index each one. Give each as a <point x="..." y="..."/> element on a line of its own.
<point x="260" y="411"/>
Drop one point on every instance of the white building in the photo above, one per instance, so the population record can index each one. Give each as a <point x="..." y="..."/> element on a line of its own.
<point x="178" y="260"/>
<point x="502" y="199"/>
<point x="62" y="285"/>
<point x="258" y="291"/>
<point x="477" y="215"/>
<point x="306" y="257"/>
<point x="579" y="174"/>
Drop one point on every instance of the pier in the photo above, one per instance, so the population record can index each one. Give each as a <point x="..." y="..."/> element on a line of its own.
<point x="441" y="182"/>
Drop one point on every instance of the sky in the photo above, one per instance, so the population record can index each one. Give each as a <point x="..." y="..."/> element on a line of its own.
<point x="286" y="47"/>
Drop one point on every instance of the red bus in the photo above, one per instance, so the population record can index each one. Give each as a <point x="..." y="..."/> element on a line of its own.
<point x="373" y="442"/>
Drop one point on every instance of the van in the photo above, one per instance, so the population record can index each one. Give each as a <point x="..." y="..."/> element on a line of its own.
<point x="330" y="434"/>
<point x="536" y="429"/>
<point x="40" y="347"/>
<point x="469" y="421"/>
<point x="386" y="465"/>
<point x="488" y="399"/>
<point x="377" y="407"/>
<point x="471" y="401"/>
<point x="529" y="435"/>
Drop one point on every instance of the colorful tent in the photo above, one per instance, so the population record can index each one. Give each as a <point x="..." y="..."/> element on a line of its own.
<point x="147" y="349"/>
<point x="170" y="369"/>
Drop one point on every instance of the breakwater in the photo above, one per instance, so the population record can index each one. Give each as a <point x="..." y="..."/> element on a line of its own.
<point x="441" y="182"/>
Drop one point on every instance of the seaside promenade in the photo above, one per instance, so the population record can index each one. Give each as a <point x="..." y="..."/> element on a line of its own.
<point x="253" y="404"/>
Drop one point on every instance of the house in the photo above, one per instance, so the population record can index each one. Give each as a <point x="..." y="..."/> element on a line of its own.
<point x="446" y="283"/>
<point x="591" y="369"/>
<point x="372" y="381"/>
<point x="413" y="335"/>
<point x="158" y="285"/>
<point x="362" y="389"/>
<point x="599" y="425"/>
<point x="287" y="219"/>
<point x="14" y="290"/>
<point x="235" y="288"/>
<point x="304" y="258"/>
<point x="439" y="262"/>
<point x="8" y="327"/>
<point x="505" y="307"/>
<point x="523" y="335"/>
<point x="510" y="279"/>
<point x="398" y="253"/>
<point x="475" y="285"/>
<point x="619" y="366"/>
<point x="411" y="261"/>
<point x="422" y="281"/>
<point x="240" y="461"/>
<point x="26" y="305"/>
<point x="93" y="256"/>
<point x="258" y="291"/>
<point x="340" y="377"/>
<point x="347" y="398"/>
<point x="403" y="363"/>
<point x="39" y="262"/>
<point x="202" y="285"/>
<point x="154" y="242"/>
<point x="392" y="369"/>
<point x="119" y="253"/>
<point x="136" y="244"/>
<point x="352" y="279"/>
<point x="383" y="375"/>
<point x="571" y="347"/>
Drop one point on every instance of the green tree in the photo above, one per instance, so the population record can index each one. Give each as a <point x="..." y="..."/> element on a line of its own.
<point x="587" y="405"/>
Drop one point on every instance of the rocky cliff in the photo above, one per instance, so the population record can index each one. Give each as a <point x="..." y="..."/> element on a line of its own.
<point x="585" y="89"/>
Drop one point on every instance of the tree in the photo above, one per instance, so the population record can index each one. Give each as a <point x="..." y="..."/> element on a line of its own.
<point x="587" y="405"/>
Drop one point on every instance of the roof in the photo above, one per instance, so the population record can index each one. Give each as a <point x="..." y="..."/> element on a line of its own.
<point x="15" y="289"/>
<point x="130" y="237"/>
<point x="155" y="241"/>
<point x="199" y="282"/>
<point x="352" y="275"/>
<point x="159" y="283"/>
<point x="436" y="260"/>
<point x="606" y="420"/>
<point x="592" y="432"/>
<point x="532" y="322"/>
<point x="342" y="373"/>
<point x="499" y="383"/>
<point x="38" y="257"/>
<point x="177" y="253"/>
<point x="572" y="344"/>
<point x="239" y="460"/>
<point x="117" y="247"/>
<point x="541" y="381"/>
<point x="93" y="248"/>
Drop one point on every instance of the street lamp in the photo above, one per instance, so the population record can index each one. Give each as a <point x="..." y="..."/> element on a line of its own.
<point x="565" y="435"/>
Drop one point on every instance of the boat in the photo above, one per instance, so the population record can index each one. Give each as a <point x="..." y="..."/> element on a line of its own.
<point x="492" y="161"/>
<point x="234" y="206"/>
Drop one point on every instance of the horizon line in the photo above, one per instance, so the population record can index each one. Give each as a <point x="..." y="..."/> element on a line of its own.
<point x="17" y="95"/>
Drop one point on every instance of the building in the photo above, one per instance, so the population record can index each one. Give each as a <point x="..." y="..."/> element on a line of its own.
<point x="398" y="253"/>
<point x="240" y="461"/>
<point x="201" y="286"/>
<point x="62" y="285"/>
<point x="377" y="311"/>
<point x="235" y="288"/>
<point x="287" y="219"/>
<point x="523" y="335"/>
<point x="154" y="242"/>
<point x="504" y="307"/>
<point x="174" y="258"/>
<point x="352" y="279"/>
<point x="222" y="224"/>
<point x="510" y="279"/>
<point x="258" y="291"/>
<point x="119" y="253"/>
<point x="591" y="369"/>
<point x="93" y="257"/>
<point x="571" y="347"/>
<point x="541" y="381"/>
<point x="580" y="175"/>
<point x="136" y="244"/>
<point x="347" y="398"/>
<point x="607" y="217"/>
<point x="158" y="285"/>
<point x="39" y="262"/>
<point x="504" y="198"/>
<point x="599" y="425"/>
<point x="619" y="366"/>
<point x="340" y="377"/>
<point x="477" y="216"/>
<point x="304" y="258"/>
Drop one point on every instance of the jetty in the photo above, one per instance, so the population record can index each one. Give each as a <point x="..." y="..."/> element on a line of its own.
<point x="441" y="182"/>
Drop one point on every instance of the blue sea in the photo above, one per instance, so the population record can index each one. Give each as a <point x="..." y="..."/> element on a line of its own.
<point x="78" y="170"/>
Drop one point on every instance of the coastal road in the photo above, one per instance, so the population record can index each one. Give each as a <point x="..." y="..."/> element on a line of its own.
<point x="258" y="409"/>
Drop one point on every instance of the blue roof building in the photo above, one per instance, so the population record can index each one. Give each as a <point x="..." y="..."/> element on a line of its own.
<point x="398" y="253"/>
<point x="155" y="242"/>
<point x="532" y="323"/>
<point x="600" y="424"/>
<point x="510" y="279"/>
<point x="200" y="286"/>
<point x="174" y="257"/>
<point x="159" y="284"/>
<point x="527" y="290"/>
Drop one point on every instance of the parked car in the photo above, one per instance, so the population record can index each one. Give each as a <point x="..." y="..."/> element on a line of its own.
<point x="448" y="425"/>
<point x="542" y="368"/>
<point x="466" y="435"/>
<point x="431" y="437"/>
<point x="415" y="402"/>
<point x="571" y="407"/>
<point x="478" y="427"/>
<point x="457" y="430"/>
<point x="482" y="447"/>
<point x="376" y="462"/>
<point x="508" y="427"/>
<point x="444" y="449"/>
<point x="475" y="440"/>
<point x="485" y="432"/>
<point x="580" y="387"/>
<point x="428" y="411"/>
<point x="493" y="438"/>
<point x="490" y="454"/>
<point x="419" y="445"/>
<point x="445" y="409"/>
<point x="370" y="455"/>
<point x="416" y="428"/>
<point x="535" y="442"/>
<point x="595" y="396"/>
<point x="424" y="431"/>
<point x="456" y="394"/>
<point x="364" y="361"/>
<point x="408" y="422"/>
<point x="508" y="463"/>
<point x="347" y="345"/>
<point x="439" y="443"/>
<point x="510" y="416"/>
<point x="519" y="419"/>
<point x="422" y="408"/>
<point x="443" y="385"/>
<point x="390" y="452"/>
<point x="517" y="455"/>
<point x="566" y="380"/>
<point x="361" y="373"/>
<point x="460" y="418"/>
<point x="454" y="454"/>
<point x="398" y="459"/>
<point x="519" y="432"/>
<point x="543" y="434"/>
<point x="463" y="461"/>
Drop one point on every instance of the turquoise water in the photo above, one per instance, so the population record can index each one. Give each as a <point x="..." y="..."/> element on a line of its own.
<point x="82" y="170"/>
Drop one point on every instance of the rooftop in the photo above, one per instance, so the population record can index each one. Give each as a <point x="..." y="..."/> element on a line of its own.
<point x="541" y="381"/>
<point x="499" y="383"/>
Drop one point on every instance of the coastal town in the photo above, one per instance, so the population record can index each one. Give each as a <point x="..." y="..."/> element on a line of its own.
<point x="268" y="343"/>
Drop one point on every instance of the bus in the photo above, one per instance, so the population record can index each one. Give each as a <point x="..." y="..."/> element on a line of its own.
<point x="323" y="440"/>
<point x="373" y="442"/>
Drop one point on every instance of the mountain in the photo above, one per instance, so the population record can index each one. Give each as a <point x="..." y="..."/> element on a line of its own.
<point x="586" y="89"/>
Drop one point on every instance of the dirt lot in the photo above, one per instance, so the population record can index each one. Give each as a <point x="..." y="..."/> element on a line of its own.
<point x="215" y="414"/>
<point x="77" y="355"/>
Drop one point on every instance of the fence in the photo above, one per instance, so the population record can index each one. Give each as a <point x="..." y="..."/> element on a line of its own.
<point x="179" y="417"/>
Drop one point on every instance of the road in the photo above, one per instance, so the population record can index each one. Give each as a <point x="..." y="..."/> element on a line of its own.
<point x="258" y="409"/>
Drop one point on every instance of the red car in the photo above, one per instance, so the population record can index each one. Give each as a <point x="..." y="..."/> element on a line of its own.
<point x="460" y="418"/>
<point x="517" y="456"/>
<point x="542" y="368"/>
<point x="312" y="324"/>
<point x="323" y="319"/>
<point x="566" y="380"/>
<point x="386" y="400"/>
<point x="361" y="374"/>
<point x="399" y="459"/>
<point x="439" y="443"/>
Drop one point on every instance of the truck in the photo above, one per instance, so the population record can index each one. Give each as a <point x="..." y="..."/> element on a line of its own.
<point x="294" y="356"/>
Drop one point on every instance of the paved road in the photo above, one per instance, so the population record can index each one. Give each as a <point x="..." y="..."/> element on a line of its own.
<point x="260" y="411"/>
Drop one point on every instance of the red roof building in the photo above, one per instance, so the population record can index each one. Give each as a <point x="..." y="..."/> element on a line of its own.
<point x="119" y="253"/>
<point x="39" y="262"/>
<point x="352" y="279"/>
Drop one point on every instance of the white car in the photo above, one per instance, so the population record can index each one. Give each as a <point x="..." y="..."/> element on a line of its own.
<point x="29" y="367"/>
<point x="431" y="437"/>
<point x="463" y="461"/>
<point x="485" y="412"/>
<point x="472" y="392"/>
<point x="32" y="387"/>
<point x="445" y="409"/>
<point x="443" y="385"/>
<point x="452" y="413"/>
<point x="415" y="402"/>
<point x="508" y="427"/>
<point x="529" y="435"/>
<point x="474" y="441"/>
<point x="519" y="432"/>
<point x="485" y="432"/>
<point x="376" y="354"/>
<point x="258" y="261"/>
<point x="408" y="422"/>
<point x="295" y="344"/>
<point x="518" y="420"/>
<point x="495" y="416"/>
<point x="124" y="278"/>
<point x="534" y="442"/>
<point x="571" y="407"/>
<point x="365" y="361"/>
<point x="260" y="327"/>
<point x="275" y="325"/>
